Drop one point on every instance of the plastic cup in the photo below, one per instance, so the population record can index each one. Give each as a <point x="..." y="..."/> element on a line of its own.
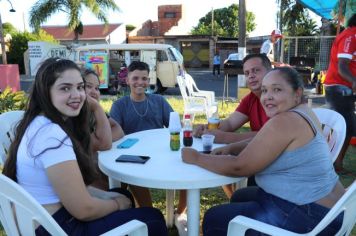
<point x="208" y="140"/>
<point x="174" y="122"/>
<point x="213" y="123"/>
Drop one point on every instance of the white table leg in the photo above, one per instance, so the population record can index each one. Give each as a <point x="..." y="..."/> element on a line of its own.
<point x="169" y="208"/>
<point x="113" y="183"/>
<point x="193" y="205"/>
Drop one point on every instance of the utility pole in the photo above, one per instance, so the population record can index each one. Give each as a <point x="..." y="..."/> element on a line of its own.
<point x="241" y="82"/>
<point x="3" y="48"/>
<point x="212" y="21"/>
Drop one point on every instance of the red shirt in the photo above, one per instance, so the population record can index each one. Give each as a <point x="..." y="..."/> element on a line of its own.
<point x="344" y="46"/>
<point x="251" y="106"/>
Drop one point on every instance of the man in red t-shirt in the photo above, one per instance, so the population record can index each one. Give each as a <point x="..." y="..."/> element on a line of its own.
<point x="340" y="82"/>
<point x="255" y="67"/>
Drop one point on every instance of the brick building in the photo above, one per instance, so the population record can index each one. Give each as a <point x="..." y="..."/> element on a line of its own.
<point x="169" y="16"/>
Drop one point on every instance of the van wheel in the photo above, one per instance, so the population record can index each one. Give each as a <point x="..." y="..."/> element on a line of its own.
<point x="156" y="88"/>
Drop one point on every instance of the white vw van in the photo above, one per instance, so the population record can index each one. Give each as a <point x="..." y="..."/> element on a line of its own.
<point x="165" y="62"/>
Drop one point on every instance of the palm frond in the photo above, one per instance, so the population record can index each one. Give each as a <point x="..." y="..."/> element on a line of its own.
<point x="42" y="10"/>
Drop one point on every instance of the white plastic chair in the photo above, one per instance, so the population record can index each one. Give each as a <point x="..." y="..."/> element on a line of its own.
<point x="195" y="92"/>
<point x="334" y="129"/>
<point x="346" y="204"/>
<point x="8" y="122"/>
<point x="29" y="213"/>
<point x="194" y="105"/>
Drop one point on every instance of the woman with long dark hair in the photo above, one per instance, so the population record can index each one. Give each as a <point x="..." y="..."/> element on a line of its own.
<point x="51" y="157"/>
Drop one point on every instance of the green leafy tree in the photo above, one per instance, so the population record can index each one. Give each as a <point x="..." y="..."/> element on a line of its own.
<point x="42" y="10"/>
<point x="8" y="28"/>
<point x="296" y="20"/>
<point x="130" y="27"/>
<point x="226" y="22"/>
<point x="19" y="44"/>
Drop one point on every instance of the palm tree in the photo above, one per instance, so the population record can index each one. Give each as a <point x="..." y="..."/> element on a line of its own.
<point x="42" y="10"/>
<point x="295" y="19"/>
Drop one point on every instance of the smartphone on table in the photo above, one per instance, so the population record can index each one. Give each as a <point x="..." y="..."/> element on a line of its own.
<point x="127" y="143"/>
<point x="133" y="159"/>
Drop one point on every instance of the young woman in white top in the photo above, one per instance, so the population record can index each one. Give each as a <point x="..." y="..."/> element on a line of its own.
<point x="51" y="157"/>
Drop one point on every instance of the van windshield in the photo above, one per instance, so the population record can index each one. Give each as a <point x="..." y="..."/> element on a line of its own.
<point x="178" y="56"/>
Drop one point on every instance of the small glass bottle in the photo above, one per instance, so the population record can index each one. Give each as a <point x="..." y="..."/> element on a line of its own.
<point x="187" y="131"/>
<point x="175" y="140"/>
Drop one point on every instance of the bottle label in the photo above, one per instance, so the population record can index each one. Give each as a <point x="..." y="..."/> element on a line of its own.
<point x="175" y="141"/>
<point x="187" y="133"/>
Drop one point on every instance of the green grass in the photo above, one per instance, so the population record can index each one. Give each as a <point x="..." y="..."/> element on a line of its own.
<point x="216" y="196"/>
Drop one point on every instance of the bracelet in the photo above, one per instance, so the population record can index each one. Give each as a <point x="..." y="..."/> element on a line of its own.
<point x="117" y="203"/>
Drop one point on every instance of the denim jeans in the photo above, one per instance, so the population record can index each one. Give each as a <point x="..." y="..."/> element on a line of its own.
<point x="152" y="217"/>
<point x="270" y="209"/>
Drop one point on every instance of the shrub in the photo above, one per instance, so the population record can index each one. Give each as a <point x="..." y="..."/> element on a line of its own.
<point x="10" y="101"/>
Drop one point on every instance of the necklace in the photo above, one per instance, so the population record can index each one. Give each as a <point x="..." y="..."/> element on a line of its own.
<point x="134" y="107"/>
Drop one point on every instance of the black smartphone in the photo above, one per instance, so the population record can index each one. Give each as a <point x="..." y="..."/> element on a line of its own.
<point x="133" y="159"/>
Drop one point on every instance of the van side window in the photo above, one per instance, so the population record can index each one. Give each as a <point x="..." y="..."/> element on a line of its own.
<point x="171" y="56"/>
<point x="162" y="56"/>
<point x="135" y="55"/>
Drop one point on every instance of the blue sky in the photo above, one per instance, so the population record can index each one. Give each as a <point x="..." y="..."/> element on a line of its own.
<point x="137" y="11"/>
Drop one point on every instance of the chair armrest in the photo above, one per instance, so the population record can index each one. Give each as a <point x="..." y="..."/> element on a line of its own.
<point x="240" y="224"/>
<point x="201" y="100"/>
<point x="209" y="95"/>
<point x="131" y="228"/>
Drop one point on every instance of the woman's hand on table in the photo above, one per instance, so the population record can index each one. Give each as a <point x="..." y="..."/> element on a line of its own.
<point x="190" y="155"/>
<point x="226" y="150"/>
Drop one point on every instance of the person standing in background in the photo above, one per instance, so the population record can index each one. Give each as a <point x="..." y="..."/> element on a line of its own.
<point x="268" y="45"/>
<point x="216" y="62"/>
<point x="340" y="82"/>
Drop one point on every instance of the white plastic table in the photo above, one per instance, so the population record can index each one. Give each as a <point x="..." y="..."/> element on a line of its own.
<point x="165" y="170"/>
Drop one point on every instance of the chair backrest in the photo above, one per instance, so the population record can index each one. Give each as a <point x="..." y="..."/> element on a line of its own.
<point x="193" y="89"/>
<point x="19" y="211"/>
<point x="20" y="214"/>
<point x="334" y="129"/>
<point x="346" y="204"/>
<point x="8" y="122"/>
<point x="182" y="87"/>
<point x="190" y="84"/>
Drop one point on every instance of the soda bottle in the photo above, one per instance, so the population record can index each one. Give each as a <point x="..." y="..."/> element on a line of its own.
<point x="187" y="131"/>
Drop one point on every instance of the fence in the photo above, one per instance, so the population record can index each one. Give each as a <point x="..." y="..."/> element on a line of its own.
<point x="310" y="47"/>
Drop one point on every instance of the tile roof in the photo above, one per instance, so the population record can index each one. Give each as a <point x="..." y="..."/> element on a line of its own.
<point x="89" y="31"/>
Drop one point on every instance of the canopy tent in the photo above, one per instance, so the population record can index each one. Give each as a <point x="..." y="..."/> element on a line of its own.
<point x="322" y="8"/>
